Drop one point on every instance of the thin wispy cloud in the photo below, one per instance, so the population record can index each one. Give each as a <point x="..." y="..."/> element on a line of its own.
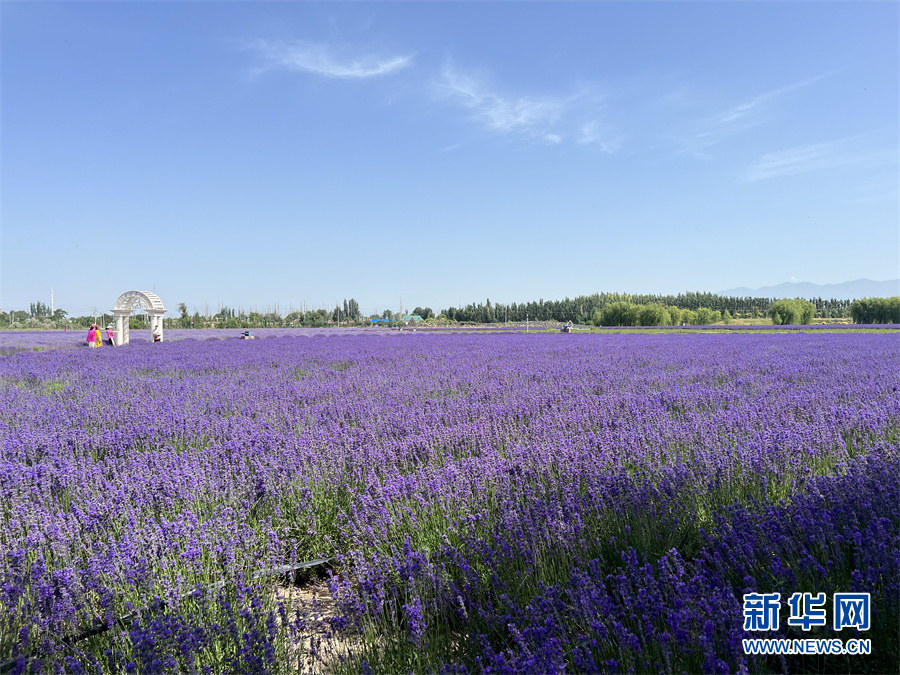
<point x="700" y="144"/>
<point x="590" y="134"/>
<point x="737" y="112"/>
<point x="500" y="113"/>
<point x="709" y="131"/>
<point x="320" y="59"/>
<point x="542" y="118"/>
<point x="801" y="159"/>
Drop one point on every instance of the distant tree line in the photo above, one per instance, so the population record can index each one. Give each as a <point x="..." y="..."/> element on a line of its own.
<point x="584" y="309"/>
<point x="37" y="314"/>
<point x="876" y="310"/>
<point x="346" y="313"/>
<point x="606" y="309"/>
<point x="655" y="314"/>
<point x="782" y="313"/>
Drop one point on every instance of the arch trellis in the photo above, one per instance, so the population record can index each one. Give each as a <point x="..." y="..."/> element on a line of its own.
<point x="132" y="300"/>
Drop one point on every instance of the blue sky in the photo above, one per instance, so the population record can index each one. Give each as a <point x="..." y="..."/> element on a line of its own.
<point x="256" y="154"/>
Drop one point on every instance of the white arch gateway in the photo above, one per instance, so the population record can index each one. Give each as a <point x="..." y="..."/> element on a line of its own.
<point x="132" y="300"/>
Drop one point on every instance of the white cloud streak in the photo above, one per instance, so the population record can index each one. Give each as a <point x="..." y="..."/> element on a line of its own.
<point x="711" y="131"/>
<point x="318" y="59"/>
<point x="524" y="114"/>
<point x="589" y="134"/>
<point x="798" y="160"/>
<point x="537" y="118"/>
<point x="737" y="112"/>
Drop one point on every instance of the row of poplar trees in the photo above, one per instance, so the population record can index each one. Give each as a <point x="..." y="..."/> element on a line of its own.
<point x="876" y="310"/>
<point x="583" y="309"/>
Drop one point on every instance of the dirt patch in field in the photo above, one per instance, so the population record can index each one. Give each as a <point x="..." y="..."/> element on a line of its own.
<point x="317" y="646"/>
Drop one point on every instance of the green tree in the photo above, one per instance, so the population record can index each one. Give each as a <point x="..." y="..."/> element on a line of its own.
<point x="783" y="313"/>
<point x="488" y="316"/>
<point x="315" y="318"/>
<point x="674" y="316"/>
<point x="39" y="310"/>
<point x="185" y="319"/>
<point x="706" y="316"/>
<point x="271" y="319"/>
<point x="807" y="311"/>
<point x="620" y="314"/>
<point x="653" y="314"/>
<point x="221" y="316"/>
<point x="791" y="312"/>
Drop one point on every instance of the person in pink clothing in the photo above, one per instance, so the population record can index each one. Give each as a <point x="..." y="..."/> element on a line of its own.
<point x="110" y="336"/>
<point x="92" y="335"/>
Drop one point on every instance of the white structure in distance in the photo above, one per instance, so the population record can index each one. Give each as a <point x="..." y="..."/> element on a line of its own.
<point x="127" y="303"/>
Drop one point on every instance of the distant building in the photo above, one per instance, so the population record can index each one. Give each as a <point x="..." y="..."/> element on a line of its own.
<point x="410" y="319"/>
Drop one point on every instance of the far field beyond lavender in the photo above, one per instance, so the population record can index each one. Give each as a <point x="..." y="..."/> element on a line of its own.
<point x="489" y="502"/>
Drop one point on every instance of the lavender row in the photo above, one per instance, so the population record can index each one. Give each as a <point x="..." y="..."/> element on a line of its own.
<point x="13" y="341"/>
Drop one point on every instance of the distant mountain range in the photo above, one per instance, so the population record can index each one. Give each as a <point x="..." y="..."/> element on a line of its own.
<point x="849" y="290"/>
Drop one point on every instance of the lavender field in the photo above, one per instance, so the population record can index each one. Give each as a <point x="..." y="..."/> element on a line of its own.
<point x="488" y="503"/>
